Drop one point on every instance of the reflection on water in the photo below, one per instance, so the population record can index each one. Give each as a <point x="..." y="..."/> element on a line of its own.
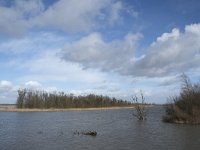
<point x="116" y="129"/>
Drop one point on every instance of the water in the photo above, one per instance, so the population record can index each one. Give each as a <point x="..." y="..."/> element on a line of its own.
<point x="117" y="130"/>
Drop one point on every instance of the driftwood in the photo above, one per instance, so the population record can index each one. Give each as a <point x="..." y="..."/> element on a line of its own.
<point x="91" y="133"/>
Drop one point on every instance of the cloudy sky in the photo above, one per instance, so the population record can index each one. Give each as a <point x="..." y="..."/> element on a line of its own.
<point x="108" y="47"/>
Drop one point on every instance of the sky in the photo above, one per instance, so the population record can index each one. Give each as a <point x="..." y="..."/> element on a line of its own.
<point x="106" y="47"/>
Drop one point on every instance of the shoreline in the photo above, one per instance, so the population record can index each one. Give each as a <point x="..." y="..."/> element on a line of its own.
<point x="7" y="109"/>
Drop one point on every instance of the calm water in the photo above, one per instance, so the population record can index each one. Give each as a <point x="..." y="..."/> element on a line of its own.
<point x="117" y="130"/>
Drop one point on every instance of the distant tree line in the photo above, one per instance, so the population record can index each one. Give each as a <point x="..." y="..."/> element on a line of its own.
<point x="40" y="99"/>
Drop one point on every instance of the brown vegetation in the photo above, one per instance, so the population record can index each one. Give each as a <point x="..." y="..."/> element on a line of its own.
<point x="44" y="100"/>
<point x="140" y="112"/>
<point x="185" y="107"/>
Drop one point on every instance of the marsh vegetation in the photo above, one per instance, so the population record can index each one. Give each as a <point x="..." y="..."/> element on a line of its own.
<point x="185" y="108"/>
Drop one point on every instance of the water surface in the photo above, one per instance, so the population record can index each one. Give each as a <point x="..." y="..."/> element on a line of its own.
<point x="117" y="130"/>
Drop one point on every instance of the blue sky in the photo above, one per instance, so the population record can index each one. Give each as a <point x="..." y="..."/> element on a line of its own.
<point x="109" y="47"/>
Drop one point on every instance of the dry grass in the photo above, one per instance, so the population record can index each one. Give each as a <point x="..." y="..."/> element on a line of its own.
<point x="60" y="110"/>
<point x="185" y="107"/>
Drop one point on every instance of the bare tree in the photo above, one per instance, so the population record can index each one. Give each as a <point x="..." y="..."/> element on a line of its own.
<point x="140" y="113"/>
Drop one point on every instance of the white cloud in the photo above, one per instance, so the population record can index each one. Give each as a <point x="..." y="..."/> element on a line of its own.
<point x="37" y="58"/>
<point x="93" y="52"/>
<point x="72" y="15"/>
<point x="16" y="18"/>
<point x="11" y="22"/>
<point x="85" y="15"/>
<point x="68" y="16"/>
<point x="7" y="92"/>
<point x="29" y="8"/>
<point x="193" y="29"/>
<point x="172" y="53"/>
<point x="168" y="36"/>
<point x="169" y="81"/>
<point x="33" y="85"/>
<point x="47" y="66"/>
<point x="115" y="15"/>
<point x="32" y="43"/>
<point x="5" y="85"/>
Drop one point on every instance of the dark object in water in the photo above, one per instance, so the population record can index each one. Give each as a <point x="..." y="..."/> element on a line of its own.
<point x="39" y="132"/>
<point x="91" y="133"/>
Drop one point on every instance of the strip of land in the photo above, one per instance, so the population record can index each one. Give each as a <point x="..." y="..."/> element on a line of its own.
<point x="11" y="109"/>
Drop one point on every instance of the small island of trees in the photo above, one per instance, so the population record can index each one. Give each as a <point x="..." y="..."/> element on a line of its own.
<point x="40" y="99"/>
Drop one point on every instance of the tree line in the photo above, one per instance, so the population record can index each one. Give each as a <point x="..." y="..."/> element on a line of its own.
<point x="28" y="98"/>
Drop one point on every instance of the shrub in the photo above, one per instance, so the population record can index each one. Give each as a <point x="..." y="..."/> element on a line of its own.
<point x="140" y="112"/>
<point x="185" y="107"/>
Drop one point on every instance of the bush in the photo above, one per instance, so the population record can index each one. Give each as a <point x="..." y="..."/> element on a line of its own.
<point x="185" y="107"/>
<point x="140" y="112"/>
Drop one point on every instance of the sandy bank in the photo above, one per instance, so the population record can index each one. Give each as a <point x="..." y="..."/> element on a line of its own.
<point x="59" y="110"/>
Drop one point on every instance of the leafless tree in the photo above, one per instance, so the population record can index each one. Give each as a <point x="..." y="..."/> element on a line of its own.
<point x="140" y="113"/>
